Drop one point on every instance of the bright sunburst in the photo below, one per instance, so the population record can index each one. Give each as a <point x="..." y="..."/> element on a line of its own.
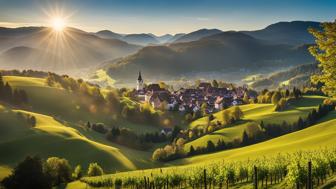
<point x="58" y="24"/>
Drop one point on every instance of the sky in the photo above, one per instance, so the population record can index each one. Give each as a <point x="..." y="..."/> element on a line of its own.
<point x="164" y="16"/>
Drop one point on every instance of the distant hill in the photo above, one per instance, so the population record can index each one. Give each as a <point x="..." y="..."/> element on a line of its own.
<point x="297" y="76"/>
<point x="26" y="58"/>
<point x="41" y="48"/>
<point x="294" y="33"/>
<point x="226" y="51"/>
<point x="196" y="35"/>
<point x="164" y="38"/>
<point x="140" y="39"/>
<point x="175" y="37"/>
<point x="109" y="35"/>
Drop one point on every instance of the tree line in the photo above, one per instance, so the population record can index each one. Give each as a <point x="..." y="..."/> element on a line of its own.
<point x="34" y="172"/>
<point x="127" y="137"/>
<point x="17" y="97"/>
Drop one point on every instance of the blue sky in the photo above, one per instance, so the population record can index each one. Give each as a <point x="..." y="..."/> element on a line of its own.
<point x="165" y="16"/>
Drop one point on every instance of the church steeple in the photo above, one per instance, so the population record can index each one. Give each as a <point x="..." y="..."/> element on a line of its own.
<point x="139" y="82"/>
<point x="139" y="77"/>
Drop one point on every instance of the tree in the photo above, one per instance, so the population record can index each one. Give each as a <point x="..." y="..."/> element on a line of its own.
<point x="237" y="113"/>
<point x="159" y="154"/>
<point x="325" y="54"/>
<point x="191" y="151"/>
<point x="32" y="121"/>
<point x="28" y="174"/>
<point x="214" y="83"/>
<point x="94" y="170"/>
<point x="58" y="169"/>
<point x="282" y="104"/>
<point x="276" y="97"/>
<point x="226" y="117"/>
<point x="245" y="138"/>
<point x="210" y="146"/>
<point x="77" y="173"/>
<point x="246" y="98"/>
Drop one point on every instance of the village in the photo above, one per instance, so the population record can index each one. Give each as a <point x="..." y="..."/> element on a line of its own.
<point x="212" y="98"/>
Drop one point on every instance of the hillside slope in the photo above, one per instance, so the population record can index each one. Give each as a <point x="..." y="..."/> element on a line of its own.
<point x="294" y="33"/>
<point x="69" y="50"/>
<point x="255" y="113"/>
<point x="225" y="52"/>
<point x="314" y="137"/>
<point x="297" y="76"/>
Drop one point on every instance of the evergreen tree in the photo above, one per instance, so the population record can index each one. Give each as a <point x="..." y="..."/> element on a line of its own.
<point x="191" y="151"/>
<point x="245" y="139"/>
<point x="210" y="146"/>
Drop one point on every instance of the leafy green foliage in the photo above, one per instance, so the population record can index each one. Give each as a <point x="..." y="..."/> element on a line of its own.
<point x="325" y="53"/>
<point x="95" y="170"/>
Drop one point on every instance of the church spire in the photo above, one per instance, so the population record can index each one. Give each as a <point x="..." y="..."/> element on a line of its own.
<point x="139" y="77"/>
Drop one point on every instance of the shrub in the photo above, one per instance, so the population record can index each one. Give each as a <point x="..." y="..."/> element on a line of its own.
<point x="95" y="170"/>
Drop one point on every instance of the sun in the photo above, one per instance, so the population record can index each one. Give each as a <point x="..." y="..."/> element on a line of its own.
<point x="58" y="24"/>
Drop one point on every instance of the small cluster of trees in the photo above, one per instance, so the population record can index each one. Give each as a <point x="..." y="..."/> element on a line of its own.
<point x="171" y="151"/>
<point x="127" y="137"/>
<point x="278" y="98"/>
<point x="25" y="73"/>
<point x="13" y="96"/>
<point x="87" y="92"/>
<point x="228" y="116"/>
<point x="140" y="114"/>
<point x="188" y="135"/>
<point x="34" y="173"/>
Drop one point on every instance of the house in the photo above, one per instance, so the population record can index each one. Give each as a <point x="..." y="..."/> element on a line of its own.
<point x="204" y="86"/>
<point x="219" y="103"/>
<point x="166" y="131"/>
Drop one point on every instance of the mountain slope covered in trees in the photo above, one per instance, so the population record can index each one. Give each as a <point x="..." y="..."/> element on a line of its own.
<point x="227" y="52"/>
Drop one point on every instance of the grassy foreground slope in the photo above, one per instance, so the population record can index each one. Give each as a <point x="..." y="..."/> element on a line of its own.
<point x="60" y="131"/>
<point x="51" y="138"/>
<point x="320" y="135"/>
<point x="255" y="113"/>
<point x="65" y="105"/>
<point x="315" y="137"/>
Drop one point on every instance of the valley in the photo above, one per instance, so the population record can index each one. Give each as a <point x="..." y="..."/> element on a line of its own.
<point x="167" y="94"/>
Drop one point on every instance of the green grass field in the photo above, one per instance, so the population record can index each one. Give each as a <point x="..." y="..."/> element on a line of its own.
<point x="255" y="113"/>
<point x="318" y="136"/>
<point x="65" y="105"/>
<point x="61" y="131"/>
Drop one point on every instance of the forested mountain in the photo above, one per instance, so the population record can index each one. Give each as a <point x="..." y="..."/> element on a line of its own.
<point x="196" y="35"/>
<point x="294" y="33"/>
<point x="226" y="51"/>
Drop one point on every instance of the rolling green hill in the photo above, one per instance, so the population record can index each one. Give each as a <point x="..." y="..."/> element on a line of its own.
<point x="60" y="131"/>
<point x="65" y="105"/>
<point x="255" y="113"/>
<point x="315" y="137"/>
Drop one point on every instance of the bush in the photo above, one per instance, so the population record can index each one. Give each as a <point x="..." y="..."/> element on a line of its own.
<point x="77" y="173"/>
<point x="58" y="169"/>
<point x="95" y="170"/>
